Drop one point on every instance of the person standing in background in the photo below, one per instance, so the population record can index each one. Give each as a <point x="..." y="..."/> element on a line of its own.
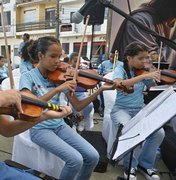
<point x="25" y="38"/>
<point x="107" y="65"/>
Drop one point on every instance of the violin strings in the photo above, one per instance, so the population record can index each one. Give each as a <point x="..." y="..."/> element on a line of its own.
<point x="86" y="74"/>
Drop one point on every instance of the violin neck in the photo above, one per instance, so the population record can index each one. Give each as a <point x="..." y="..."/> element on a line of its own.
<point x="99" y="78"/>
<point x="40" y="103"/>
<point x="165" y="73"/>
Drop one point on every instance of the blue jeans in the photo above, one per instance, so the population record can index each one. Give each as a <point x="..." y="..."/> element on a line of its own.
<point x="148" y="153"/>
<point x="11" y="173"/>
<point x="80" y="157"/>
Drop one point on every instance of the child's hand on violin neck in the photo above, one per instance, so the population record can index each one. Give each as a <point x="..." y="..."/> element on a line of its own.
<point x="68" y="85"/>
<point x="156" y="75"/>
<point x="50" y="114"/>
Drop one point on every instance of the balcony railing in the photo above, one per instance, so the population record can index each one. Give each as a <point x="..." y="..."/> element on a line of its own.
<point x="28" y="1"/>
<point x="42" y="25"/>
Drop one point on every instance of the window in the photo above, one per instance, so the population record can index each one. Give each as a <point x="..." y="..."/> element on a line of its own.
<point x="7" y="18"/>
<point x="65" y="28"/>
<point x="7" y="21"/>
<point x="30" y="15"/>
<point x="65" y="47"/>
<point x="3" y="51"/>
<point x="6" y="1"/>
<point x="98" y="48"/>
<point x="77" y="47"/>
<point x="50" y="17"/>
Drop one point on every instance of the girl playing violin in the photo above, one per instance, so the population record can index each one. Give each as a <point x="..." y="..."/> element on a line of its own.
<point x="55" y="135"/>
<point x="10" y="128"/>
<point x="127" y="106"/>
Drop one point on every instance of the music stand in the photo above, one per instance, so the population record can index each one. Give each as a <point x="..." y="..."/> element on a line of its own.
<point x="149" y="120"/>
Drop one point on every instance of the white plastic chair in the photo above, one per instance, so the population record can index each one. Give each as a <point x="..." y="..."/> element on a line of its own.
<point x="108" y="131"/>
<point x="31" y="155"/>
<point x="5" y="85"/>
<point x="16" y="72"/>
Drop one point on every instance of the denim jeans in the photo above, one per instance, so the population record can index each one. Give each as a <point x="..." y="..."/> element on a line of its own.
<point x="148" y="153"/>
<point x="11" y="173"/>
<point x="80" y="157"/>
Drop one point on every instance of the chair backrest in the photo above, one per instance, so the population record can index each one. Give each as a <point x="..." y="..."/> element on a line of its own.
<point x="5" y="85"/>
<point x="16" y="72"/>
<point x="110" y="95"/>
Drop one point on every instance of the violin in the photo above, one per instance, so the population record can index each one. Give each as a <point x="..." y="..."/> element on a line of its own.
<point x="86" y="78"/>
<point x="32" y="108"/>
<point x="167" y="76"/>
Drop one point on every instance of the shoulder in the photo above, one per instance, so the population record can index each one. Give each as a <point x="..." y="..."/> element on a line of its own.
<point x="143" y="17"/>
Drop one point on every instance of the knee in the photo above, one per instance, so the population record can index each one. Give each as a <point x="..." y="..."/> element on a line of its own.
<point x="159" y="135"/>
<point x="75" y="162"/>
<point x="93" y="158"/>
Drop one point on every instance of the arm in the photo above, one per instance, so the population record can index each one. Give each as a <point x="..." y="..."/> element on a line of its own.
<point x="130" y="82"/>
<point x="10" y="128"/>
<point x="68" y="85"/>
<point x="79" y="105"/>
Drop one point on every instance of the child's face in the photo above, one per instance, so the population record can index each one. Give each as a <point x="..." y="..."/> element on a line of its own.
<point x="51" y="58"/>
<point x="1" y="62"/>
<point x="74" y="61"/>
<point x="138" y="61"/>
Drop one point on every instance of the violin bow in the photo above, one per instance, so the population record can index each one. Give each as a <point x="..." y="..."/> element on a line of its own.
<point x="159" y="57"/>
<point x="80" y="50"/>
<point x="116" y="57"/>
<point x="6" y="48"/>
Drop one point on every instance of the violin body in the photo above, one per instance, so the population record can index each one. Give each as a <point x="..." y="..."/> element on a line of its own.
<point x="32" y="108"/>
<point x="168" y="76"/>
<point x="86" y="78"/>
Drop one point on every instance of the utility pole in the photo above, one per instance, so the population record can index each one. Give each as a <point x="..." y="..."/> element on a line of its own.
<point x="57" y="19"/>
<point x="108" y="34"/>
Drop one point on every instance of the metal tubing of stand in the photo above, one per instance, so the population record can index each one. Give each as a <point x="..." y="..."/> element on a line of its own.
<point x="115" y="144"/>
<point x="130" y="163"/>
<point x="91" y="50"/>
<point x="129" y="167"/>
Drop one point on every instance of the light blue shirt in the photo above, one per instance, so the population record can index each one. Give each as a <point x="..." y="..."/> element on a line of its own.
<point x="105" y="67"/>
<point x="38" y="85"/>
<point x="20" y="47"/>
<point x="135" y="99"/>
<point x="4" y="72"/>
<point x="25" y="66"/>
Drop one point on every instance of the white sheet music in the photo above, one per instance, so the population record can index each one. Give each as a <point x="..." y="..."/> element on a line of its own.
<point x="152" y="117"/>
<point x="162" y="87"/>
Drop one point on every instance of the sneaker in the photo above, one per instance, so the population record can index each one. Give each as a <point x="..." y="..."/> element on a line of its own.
<point x="132" y="174"/>
<point x="80" y="126"/>
<point x="149" y="174"/>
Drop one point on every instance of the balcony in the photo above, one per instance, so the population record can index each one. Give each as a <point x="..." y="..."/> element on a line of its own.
<point x="21" y="2"/>
<point x="32" y="26"/>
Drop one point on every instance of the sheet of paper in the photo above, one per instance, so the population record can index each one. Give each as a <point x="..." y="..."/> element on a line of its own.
<point x="148" y="108"/>
<point x="148" y="124"/>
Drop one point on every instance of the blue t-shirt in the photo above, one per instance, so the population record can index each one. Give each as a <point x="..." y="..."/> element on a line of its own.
<point x="135" y="99"/>
<point x="105" y="67"/>
<point x="4" y="72"/>
<point x="20" y="47"/>
<point x="38" y="85"/>
<point x="25" y="66"/>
